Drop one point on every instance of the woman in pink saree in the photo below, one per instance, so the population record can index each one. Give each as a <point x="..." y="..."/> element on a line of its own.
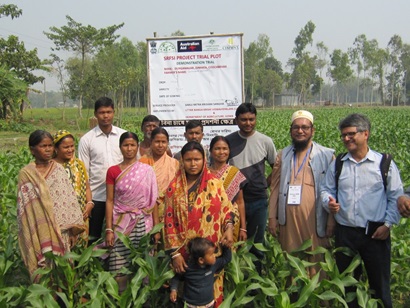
<point x="131" y="195"/>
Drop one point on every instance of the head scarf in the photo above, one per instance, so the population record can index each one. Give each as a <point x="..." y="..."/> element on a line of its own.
<point x="60" y="135"/>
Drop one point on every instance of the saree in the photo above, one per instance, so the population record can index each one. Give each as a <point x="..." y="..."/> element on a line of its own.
<point x="203" y="211"/>
<point x="233" y="181"/>
<point x="135" y="193"/>
<point x="165" y="169"/>
<point x="78" y="177"/>
<point x="47" y="214"/>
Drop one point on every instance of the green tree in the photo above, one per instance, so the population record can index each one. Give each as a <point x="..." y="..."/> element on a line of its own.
<point x="395" y="77"/>
<point x="58" y="68"/>
<point x="304" y="39"/>
<point x="178" y="33"/>
<point x="254" y="57"/>
<point x="379" y="67"/>
<point x="142" y="78"/>
<point x="12" y="92"/>
<point x="13" y="54"/>
<point x="372" y="55"/>
<point x="304" y="78"/>
<point x="11" y="10"/>
<point x="85" y="40"/>
<point x="405" y="60"/>
<point x="356" y="54"/>
<point x="119" y="64"/>
<point x="321" y="62"/>
<point x="23" y="63"/>
<point x="340" y="70"/>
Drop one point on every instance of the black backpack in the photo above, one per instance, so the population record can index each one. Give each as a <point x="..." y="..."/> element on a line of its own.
<point x="384" y="168"/>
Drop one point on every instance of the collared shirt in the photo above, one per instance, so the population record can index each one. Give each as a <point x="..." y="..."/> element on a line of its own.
<point x="361" y="193"/>
<point x="99" y="151"/>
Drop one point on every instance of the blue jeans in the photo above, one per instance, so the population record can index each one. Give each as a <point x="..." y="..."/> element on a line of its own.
<point x="256" y="218"/>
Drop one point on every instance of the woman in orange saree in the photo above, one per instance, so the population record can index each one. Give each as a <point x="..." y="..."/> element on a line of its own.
<point x="165" y="167"/>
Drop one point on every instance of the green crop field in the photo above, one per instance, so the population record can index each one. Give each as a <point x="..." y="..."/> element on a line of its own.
<point x="79" y="280"/>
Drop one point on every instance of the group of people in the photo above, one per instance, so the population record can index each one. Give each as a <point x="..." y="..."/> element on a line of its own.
<point x="356" y="197"/>
<point x="207" y="198"/>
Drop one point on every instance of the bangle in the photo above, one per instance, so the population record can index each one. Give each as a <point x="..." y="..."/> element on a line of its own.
<point x="244" y="230"/>
<point x="228" y="225"/>
<point x="90" y="202"/>
<point x="176" y="251"/>
<point x="109" y="230"/>
<point x="176" y="255"/>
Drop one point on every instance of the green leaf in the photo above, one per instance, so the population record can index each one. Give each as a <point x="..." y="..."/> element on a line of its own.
<point x="283" y="300"/>
<point x="85" y="257"/>
<point x="227" y="301"/>
<point x="330" y="295"/>
<point x="307" y="291"/>
<point x="353" y="265"/>
<point x="297" y="264"/>
<point x="306" y="244"/>
<point x="63" y="297"/>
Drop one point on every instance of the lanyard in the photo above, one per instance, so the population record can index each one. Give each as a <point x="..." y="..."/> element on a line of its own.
<point x="301" y="166"/>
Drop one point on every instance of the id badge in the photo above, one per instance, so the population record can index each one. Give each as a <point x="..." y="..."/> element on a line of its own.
<point x="294" y="195"/>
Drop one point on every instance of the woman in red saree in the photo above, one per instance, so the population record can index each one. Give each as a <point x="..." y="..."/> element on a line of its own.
<point x="196" y="205"/>
<point x="131" y="195"/>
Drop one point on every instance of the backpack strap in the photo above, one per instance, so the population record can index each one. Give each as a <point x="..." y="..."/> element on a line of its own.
<point x="338" y="170"/>
<point x="384" y="167"/>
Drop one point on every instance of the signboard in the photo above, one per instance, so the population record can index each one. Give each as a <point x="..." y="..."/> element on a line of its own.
<point x="195" y="78"/>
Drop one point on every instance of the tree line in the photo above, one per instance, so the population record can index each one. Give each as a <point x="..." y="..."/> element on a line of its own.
<point x="103" y="63"/>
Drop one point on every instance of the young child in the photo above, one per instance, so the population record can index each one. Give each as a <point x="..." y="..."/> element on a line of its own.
<point x="199" y="276"/>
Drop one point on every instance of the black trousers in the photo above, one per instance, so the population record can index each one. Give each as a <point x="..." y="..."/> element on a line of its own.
<point x="96" y="222"/>
<point x="376" y="255"/>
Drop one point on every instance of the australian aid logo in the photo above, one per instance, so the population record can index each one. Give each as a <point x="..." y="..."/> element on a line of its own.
<point x="189" y="46"/>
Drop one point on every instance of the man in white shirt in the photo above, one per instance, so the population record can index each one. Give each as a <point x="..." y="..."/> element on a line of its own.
<point x="99" y="149"/>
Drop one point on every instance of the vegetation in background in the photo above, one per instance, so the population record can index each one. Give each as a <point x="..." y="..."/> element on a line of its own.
<point x="16" y="70"/>
<point x="88" y="285"/>
<point x="84" y="40"/>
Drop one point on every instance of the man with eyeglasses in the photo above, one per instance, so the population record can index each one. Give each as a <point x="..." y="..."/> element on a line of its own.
<point x="364" y="209"/>
<point x="295" y="208"/>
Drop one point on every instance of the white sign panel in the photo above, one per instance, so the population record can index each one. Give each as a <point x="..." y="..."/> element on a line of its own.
<point x="195" y="78"/>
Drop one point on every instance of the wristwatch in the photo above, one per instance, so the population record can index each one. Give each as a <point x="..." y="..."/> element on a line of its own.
<point x="388" y="225"/>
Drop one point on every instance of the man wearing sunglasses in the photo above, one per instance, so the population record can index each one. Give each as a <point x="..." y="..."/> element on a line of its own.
<point x="364" y="209"/>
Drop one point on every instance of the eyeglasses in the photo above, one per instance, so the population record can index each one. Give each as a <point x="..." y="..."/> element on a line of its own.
<point x="349" y="135"/>
<point x="296" y="128"/>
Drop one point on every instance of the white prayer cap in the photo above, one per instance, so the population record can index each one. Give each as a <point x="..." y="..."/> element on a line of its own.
<point x="302" y="114"/>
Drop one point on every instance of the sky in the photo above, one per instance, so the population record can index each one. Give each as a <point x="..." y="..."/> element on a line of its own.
<point x="338" y="23"/>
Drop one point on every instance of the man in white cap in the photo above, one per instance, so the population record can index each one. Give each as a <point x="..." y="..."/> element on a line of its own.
<point x="295" y="208"/>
